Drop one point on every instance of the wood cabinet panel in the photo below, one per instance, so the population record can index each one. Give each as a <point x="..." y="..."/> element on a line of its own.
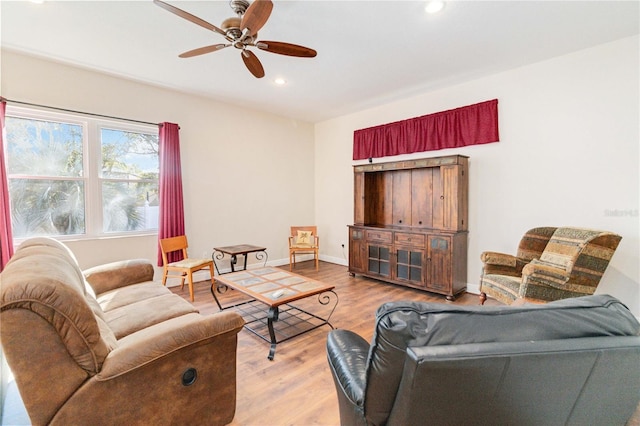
<point x="358" y="197"/>
<point x="411" y="219"/>
<point x="401" y="198"/>
<point x="379" y="236"/>
<point x="357" y="250"/>
<point x="438" y="200"/>
<point x="422" y="198"/>
<point x="439" y="263"/>
<point x="409" y="239"/>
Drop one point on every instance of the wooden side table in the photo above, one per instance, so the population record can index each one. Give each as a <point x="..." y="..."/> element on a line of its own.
<point x="238" y="250"/>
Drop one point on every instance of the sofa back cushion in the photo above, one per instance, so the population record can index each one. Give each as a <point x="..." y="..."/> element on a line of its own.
<point x="44" y="279"/>
<point x="534" y="242"/>
<point x="565" y="246"/>
<point x="413" y="324"/>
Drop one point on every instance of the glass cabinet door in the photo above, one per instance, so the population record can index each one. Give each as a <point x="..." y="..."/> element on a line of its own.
<point x="380" y="260"/>
<point x="409" y="265"/>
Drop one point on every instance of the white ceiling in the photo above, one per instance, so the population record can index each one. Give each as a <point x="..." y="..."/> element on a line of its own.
<point x="369" y="52"/>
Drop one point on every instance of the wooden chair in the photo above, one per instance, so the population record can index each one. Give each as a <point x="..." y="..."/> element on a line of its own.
<point x="303" y="240"/>
<point x="185" y="267"/>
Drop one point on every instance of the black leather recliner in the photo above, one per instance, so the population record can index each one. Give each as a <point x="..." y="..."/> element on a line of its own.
<point x="574" y="361"/>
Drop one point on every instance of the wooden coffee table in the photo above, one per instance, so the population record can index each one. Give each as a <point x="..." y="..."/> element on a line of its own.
<point x="269" y="313"/>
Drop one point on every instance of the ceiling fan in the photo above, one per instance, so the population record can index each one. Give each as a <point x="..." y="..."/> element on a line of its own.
<point x="241" y="32"/>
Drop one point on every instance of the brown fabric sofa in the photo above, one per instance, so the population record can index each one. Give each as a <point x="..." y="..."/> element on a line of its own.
<point x="110" y="346"/>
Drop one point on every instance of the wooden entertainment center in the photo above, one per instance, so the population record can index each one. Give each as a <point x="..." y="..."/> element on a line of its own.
<point x="411" y="222"/>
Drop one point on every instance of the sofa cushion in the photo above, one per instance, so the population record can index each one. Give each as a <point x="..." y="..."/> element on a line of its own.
<point x="404" y="324"/>
<point x="135" y="316"/>
<point x="123" y="296"/>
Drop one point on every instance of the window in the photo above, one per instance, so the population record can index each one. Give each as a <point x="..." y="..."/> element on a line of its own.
<point x="76" y="176"/>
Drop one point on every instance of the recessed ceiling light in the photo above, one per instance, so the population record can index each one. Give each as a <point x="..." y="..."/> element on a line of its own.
<point x="434" y="6"/>
<point x="280" y="81"/>
<point x="37" y="1"/>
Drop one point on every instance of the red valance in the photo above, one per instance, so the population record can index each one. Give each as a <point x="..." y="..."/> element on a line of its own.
<point x="470" y="125"/>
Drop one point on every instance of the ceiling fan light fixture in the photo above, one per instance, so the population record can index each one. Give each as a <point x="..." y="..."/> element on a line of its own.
<point x="241" y="32"/>
<point x="434" y="6"/>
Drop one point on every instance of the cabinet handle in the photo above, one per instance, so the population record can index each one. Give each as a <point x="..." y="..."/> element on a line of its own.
<point x="420" y="222"/>
<point x="400" y="221"/>
<point x="442" y="197"/>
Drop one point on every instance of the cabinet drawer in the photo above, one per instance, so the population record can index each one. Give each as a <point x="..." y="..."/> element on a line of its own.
<point x="379" y="236"/>
<point x="409" y="239"/>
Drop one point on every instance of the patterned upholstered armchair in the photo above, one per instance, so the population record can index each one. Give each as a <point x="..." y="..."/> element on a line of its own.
<point x="551" y="264"/>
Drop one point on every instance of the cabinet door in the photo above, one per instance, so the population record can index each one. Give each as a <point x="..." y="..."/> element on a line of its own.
<point x="409" y="265"/>
<point x="401" y="210"/>
<point x="437" y="200"/>
<point x="357" y="251"/>
<point x="439" y="275"/>
<point x="379" y="260"/>
<point x="455" y="197"/>
<point x="358" y="198"/>
<point x="421" y="198"/>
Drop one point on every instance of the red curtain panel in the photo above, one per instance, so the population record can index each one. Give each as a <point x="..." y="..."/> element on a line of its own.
<point x="171" y="216"/>
<point x="469" y="125"/>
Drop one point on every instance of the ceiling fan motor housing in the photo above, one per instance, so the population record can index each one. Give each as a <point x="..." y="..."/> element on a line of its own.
<point x="239" y="6"/>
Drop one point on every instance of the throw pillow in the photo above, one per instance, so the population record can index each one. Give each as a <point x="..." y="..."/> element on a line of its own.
<point x="304" y="238"/>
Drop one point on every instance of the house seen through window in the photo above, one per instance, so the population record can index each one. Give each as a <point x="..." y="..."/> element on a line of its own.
<point x="76" y="176"/>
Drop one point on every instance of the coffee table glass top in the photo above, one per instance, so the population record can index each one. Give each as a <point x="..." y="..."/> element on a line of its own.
<point x="273" y="286"/>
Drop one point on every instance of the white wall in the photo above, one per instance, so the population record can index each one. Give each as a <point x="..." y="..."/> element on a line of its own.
<point x="568" y="155"/>
<point x="247" y="175"/>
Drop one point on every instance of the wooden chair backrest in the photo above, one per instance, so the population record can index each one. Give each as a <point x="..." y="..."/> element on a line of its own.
<point x="169" y="245"/>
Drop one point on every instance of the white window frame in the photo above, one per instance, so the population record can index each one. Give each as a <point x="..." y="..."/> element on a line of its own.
<point x="91" y="165"/>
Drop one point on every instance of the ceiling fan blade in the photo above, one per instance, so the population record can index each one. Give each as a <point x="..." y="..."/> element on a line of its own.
<point x="256" y="16"/>
<point x="253" y="63"/>
<point x="189" y="17"/>
<point x="203" y="50"/>
<point x="288" y="49"/>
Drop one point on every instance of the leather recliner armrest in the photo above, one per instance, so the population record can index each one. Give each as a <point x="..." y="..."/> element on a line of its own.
<point x="347" y="353"/>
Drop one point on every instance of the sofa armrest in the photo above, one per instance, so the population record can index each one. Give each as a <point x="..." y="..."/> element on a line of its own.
<point x="114" y="275"/>
<point x="500" y="263"/>
<point x="347" y="354"/>
<point x="544" y="274"/>
<point x="495" y="258"/>
<point x="177" y="334"/>
<point x="181" y="371"/>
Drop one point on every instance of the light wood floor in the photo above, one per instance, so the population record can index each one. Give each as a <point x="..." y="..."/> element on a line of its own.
<point x="296" y="388"/>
